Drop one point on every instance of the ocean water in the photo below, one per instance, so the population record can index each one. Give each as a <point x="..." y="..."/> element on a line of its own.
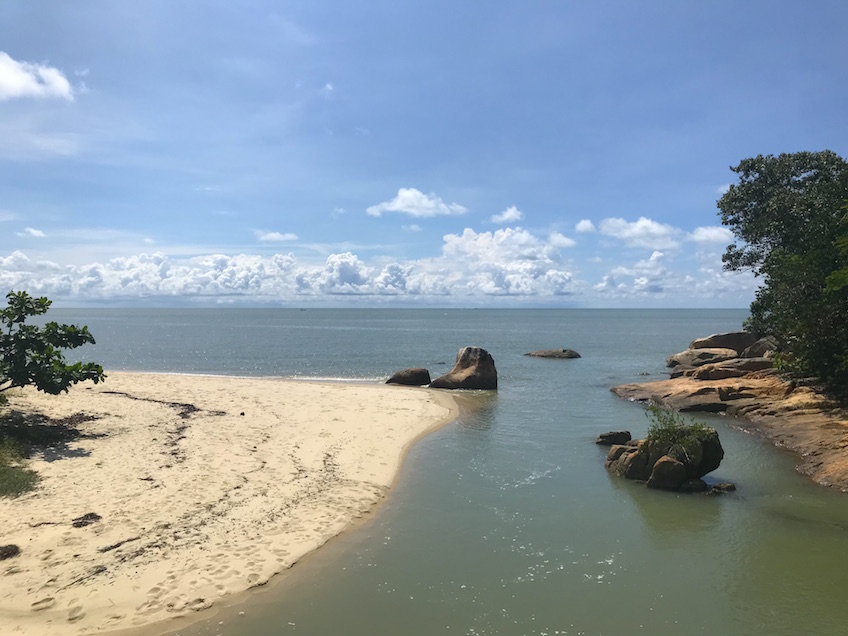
<point x="505" y="521"/>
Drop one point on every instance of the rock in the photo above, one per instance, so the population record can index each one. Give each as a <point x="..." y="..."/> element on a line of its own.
<point x="86" y="520"/>
<point x="667" y="474"/>
<point x="554" y="353"/>
<point x="736" y="340"/>
<point x="474" y="369"/>
<point x="735" y="368"/>
<point x="698" y="357"/>
<point x="721" y="489"/>
<point x="668" y="466"/>
<point x="693" y="485"/>
<point x="410" y="377"/>
<point x="762" y="348"/>
<point x="613" y="437"/>
<point x="629" y="461"/>
<point x="9" y="551"/>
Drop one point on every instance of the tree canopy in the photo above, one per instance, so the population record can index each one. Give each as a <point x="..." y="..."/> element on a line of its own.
<point x="32" y="355"/>
<point x="788" y="214"/>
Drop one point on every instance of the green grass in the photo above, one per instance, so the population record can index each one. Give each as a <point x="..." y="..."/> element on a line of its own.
<point x="668" y="428"/>
<point x="15" y="478"/>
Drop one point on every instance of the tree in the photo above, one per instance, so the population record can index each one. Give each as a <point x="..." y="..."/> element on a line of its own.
<point x="787" y="213"/>
<point x="31" y="355"/>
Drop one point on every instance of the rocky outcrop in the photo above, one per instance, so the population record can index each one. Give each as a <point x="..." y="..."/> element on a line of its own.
<point x="410" y="377"/>
<point x="736" y="340"/>
<point x="762" y="348"/>
<point x="668" y="466"/>
<point x="474" y="369"/>
<point x="613" y="437"/>
<point x="792" y="415"/>
<point x="697" y="357"/>
<point x="554" y="353"/>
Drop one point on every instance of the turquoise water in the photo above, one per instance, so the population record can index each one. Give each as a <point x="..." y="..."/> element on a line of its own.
<point x="505" y="522"/>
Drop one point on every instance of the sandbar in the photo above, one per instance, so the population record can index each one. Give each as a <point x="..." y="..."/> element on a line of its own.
<point x="182" y="490"/>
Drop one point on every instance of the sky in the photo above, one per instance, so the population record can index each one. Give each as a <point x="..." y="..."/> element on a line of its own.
<point x="385" y="153"/>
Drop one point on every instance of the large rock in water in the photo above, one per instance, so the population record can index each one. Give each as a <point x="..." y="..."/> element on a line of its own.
<point x="410" y="377"/>
<point x="667" y="466"/>
<point x="474" y="369"/>
<point x="736" y="340"/>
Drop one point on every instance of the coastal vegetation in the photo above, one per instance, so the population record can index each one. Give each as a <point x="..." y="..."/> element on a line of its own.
<point x="32" y="355"/>
<point x="789" y="216"/>
<point x="669" y="428"/>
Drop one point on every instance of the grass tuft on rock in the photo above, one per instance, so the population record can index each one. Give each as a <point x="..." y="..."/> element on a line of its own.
<point x="669" y="428"/>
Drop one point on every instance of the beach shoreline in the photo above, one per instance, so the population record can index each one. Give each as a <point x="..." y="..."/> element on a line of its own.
<point x="181" y="491"/>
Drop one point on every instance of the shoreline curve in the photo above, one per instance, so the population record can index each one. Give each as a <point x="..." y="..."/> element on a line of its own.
<point x="203" y="487"/>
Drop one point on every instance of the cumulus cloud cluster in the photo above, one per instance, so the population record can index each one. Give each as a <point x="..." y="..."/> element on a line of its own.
<point x="24" y="79"/>
<point x="508" y="262"/>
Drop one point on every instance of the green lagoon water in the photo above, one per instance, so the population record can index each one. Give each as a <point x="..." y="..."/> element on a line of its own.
<point x="505" y="521"/>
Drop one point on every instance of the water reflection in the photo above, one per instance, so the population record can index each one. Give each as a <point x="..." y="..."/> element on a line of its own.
<point x="672" y="517"/>
<point x="476" y="409"/>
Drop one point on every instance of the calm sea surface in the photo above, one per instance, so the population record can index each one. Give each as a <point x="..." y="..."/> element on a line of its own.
<point x="505" y="522"/>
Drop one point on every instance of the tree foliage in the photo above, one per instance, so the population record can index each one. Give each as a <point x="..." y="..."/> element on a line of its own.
<point x="32" y="355"/>
<point x="788" y="215"/>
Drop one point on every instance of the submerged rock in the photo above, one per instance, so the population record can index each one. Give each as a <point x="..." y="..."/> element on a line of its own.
<point x="554" y="353"/>
<point x="474" y="369"/>
<point x="410" y="377"/>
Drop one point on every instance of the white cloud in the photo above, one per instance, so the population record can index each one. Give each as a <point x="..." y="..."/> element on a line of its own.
<point x="584" y="225"/>
<point x="558" y="240"/>
<point x="642" y="233"/>
<point x="510" y="215"/>
<point x="723" y="188"/>
<point x="31" y="232"/>
<point x="275" y="237"/>
<point x="711" y="234"/>
<point x="23" y="79"/>
<point x="327" y="90"/>
<point x="5" y="215"/>
<point x="414" y="227"/>
<point x="416" y="204"/>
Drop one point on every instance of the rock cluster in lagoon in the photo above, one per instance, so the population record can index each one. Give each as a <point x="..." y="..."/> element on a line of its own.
<point x="474" y="369"/>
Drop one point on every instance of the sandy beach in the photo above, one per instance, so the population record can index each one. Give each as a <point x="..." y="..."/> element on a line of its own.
<point x="181" y="490"/>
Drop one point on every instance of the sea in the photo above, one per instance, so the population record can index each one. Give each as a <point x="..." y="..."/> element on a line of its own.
<point x="505" y="521"/>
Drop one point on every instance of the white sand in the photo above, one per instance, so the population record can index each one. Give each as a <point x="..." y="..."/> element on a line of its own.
<point x="199" y="507"/>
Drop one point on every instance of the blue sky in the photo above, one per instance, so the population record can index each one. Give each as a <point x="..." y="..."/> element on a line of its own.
<point x="398" y="153"/>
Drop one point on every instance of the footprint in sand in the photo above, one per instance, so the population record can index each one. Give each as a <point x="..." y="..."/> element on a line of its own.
<point x="43" y="604"/>
<point x="75" y="614"/>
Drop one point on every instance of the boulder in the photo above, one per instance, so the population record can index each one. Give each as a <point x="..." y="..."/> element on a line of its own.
<point x="736" y="340"/>
<point x="762" y="348"/>
<point x="735" y="368"/>
<point x="667" y="474"/>
<point x="410" y="377"/>
<point x="474" y="369"/>
<point x="668" y="466"/>
<point x="554" y="353"/>
<point x="629" y="461"/>
<point x="697" y="357"/>
<point x="613" y="437"/>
